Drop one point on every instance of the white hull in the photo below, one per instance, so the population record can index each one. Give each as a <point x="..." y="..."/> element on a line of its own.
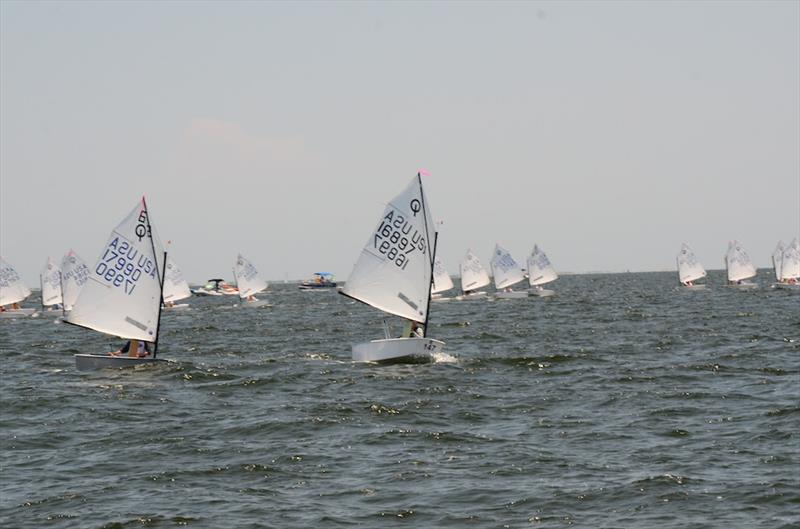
<point x="90" y="362"/>
<point x="17" y="313"/>
<point x="51" y="312"/>
<point x="256" y="303"/>
<point x="743" y="286"/>
<point x="473" y="295"/>
<point x="203" y="292"/>
<point x="787" y="286"/>
<point x="178" y="306"/>
<point x="514" y="294"/>
<point x="693" y="287"/>
<point x="397" y="349"/>
<point x="440" y="299"/>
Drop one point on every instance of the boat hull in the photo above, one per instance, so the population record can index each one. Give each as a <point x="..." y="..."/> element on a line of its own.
<point x="467" y="297"/>
<point x="397" y="350"/>
<point x="542" y="292"/>
<point x="787" y="286"/>
<point x="256" y="304"/>
<point x="743" y="286"/>
<point x="514" y="294"/>
<point x="90" y="362"/>
<point x="179" y="306"/>
<point x="17" y="313"/>
<point x="693" y="287"/>
<point x="316" y="286"/>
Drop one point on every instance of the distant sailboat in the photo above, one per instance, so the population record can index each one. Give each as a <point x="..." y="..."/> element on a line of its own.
<point x="394" y="274"/>
<point x="50" y="283"/>
<point x="777" y="260"/>
<point x="74" y="274"/>
<point x="507" y="273"/>
<point x="689" y="269"/>
<point x="175" y="287"/>
<point x="473" y="277"/>
<point x="790" y="267"/>
<point x="540" y="272"/>
<point x="249" y="283"/>
<point x="12" y="291"/>
<point x="123" y="295"/>
<point x="739" y="267"/>
<point x="442" y="282"/>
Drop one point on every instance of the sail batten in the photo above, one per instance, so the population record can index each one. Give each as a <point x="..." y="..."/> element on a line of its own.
<point x="122" y="294"/>
<point x="394" y="271"/>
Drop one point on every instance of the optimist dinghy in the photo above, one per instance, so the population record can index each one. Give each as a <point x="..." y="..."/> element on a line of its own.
<point x="441" y="282"/>
<point x="689" y="269"/>
<point x="394" y="274"/>
<point x="74" y="274"/>
<point x="50" y="283"/>
<point x="123" y="293"/>
<point x="739" y="267"/>
<point x="175" y="287"/>
<point x="787" y="269"/>
<point x="12" y="291"/>
<point x="473" y="277"/>
<point x="507" y="273"/>
<point x="249" y="283"/>
<point x="540" y="272"/>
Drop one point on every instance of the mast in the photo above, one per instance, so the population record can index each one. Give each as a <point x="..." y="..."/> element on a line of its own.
<point x="431" y="254"/>
<point x="61" y="286"/>
<point x="160" y="276"/>
<point x="41" y="290"/>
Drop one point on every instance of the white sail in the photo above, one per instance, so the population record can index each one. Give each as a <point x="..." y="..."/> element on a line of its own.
<point x="247" y="279"/>
<point x="441" y="279"/>
<point x="505" y="269"/>
<point x="473" y="274"/>
<point x="777" y="259"/>
<point x="790" y="261"/>
<point x="689" y="268"/>
<point x="123" y="294"/>
<point x="12" y="289"/>
<point x="74" y="274"/>
<point x="393" y="272"/>
<point x="738" y="263"/>
<point x="540" y="271"/>
<point x="51" y="283"/>
<point x="175" y="286"/>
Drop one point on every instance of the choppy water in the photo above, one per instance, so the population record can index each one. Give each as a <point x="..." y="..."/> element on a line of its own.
<point x="618" y="403"/>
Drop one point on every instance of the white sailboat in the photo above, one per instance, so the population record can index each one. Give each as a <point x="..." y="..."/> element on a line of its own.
<point x="74" y="274"/>
<point x="123" y="294"/>
<point x="442" y="282"/>
<point x="689" y="269"/>
<point x="473" y="277"/>
<point x="507" y="273"/>
<point x="249" y="283"/>
<point x="790" y="267"/>
<point x="12" y="291"/>
<point x="175" y="287"/>
<point x="739" y="267"/>
<point x="394" y="274"/>
<point x="540" y="272"/>
<point x="777" y="260"/>
<point x="50" y="283"/>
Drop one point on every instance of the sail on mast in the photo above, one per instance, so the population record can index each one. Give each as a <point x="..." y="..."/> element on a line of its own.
<point x="12" y="289"/>
<point x="394" y="271"/>
<point x="175" y="286"/>
<point x="473" y="274"/>
<point x="738" y="263"/>
<point x="247" y="278"/>
<point x="122" y="296"/>
<point x="51" y="284"/>
<point x="74" y="274"/>
<point x="689" y="268"/>
<point x="540" y="271"/>
<point x="505" y="269"/>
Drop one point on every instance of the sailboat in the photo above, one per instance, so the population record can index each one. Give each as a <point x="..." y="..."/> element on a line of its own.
<point x="689" y="269"/>
<point x="249" y="283"/>
<point x="175" y="287"/>
<point x="441" y="281"/>
<point x="123" y="294"/>
<point x="12" y="291"/>
<point x="540" y="272"/>
<point x="739" y="267"/>
<point x="394" y="274"/>
<point x="507" y="273"/>
<point x="473" y="277"/>
<point x="790" y="267"/>
<point x="50" y="283"/>
<point x="74" y="274"/>
<point x="777" y="260"/>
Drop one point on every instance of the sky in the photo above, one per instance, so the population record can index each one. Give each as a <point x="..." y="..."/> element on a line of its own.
<point x="608" y="133"/>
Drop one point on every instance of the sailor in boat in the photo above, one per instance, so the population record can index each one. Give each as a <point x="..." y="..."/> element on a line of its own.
<point x="688" y="284"/>
<point x="169" y="304"/>
<point x="142" y="350"/>
<point x="412" y="329"/>
<point x="14" y="306"/>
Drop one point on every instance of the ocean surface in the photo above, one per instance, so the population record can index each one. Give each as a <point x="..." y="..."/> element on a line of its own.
<point x="620" y="402"/>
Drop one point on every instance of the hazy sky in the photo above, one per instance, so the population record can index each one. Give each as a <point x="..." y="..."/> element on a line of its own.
<point x="606" y="132"/>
